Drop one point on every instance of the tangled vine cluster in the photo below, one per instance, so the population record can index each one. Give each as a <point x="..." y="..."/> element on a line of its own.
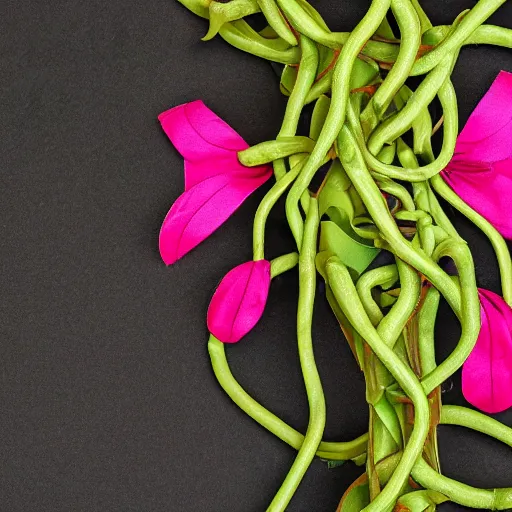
<point x="373" y="132"/>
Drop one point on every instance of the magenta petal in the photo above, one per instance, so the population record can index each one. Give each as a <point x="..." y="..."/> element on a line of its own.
<point x="487" y="373"/>
<point x="199" y="211"/>
<point x="487" y="188"/>
<point x="239" y="301"/>
<point x="487" y="134"/>
<point x="198" y="133"/>
<point x="208" y="144"/>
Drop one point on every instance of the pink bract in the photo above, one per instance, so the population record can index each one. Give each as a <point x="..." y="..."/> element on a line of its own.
<point x="239" y="301"/>
<point x="216" y="183"/>
<point x="487" y="373"/>
<point x="481" y="169"/>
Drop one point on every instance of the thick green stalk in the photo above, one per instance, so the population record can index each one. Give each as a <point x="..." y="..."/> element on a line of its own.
<point x="469" y="313"/>
<point x="398" y="124"/>
<point x="348" y="299"/>
<point x="426" y="324"/>
<point x="314" y="391"/>
<point x="337" y="111"/>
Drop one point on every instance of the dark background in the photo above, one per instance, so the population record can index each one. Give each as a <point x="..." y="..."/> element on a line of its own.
<point x="108" y="402"/>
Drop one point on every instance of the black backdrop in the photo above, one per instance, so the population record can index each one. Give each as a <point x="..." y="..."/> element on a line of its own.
<point x="108" y="402"/>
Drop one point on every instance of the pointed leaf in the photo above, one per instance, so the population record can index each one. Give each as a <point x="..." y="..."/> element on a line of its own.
<point x="352" y="253"/>
<point x="389" y="418"/>
<point x="356" y="497"/>
<point x="363" y="73"/>
<point x="239" y="301"/>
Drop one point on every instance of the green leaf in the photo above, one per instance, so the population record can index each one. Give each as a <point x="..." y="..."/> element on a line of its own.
<point x="332" y="464"/>
<point x="325" y="58"/>
<point x="360" y="460"/>
<point x="363" y="73"/>
<point x="268" y="33"/>
<point x="384" y="444"/>
<point x="352" y="253"/>
<point x="341" y="202"/>
<point x="387" y="415"/>
<point x="357" y="497"/>
<point x="288" y="79"/>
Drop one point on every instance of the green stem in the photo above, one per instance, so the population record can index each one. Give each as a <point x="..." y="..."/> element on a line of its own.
<point x="305" y="78"/>
<point x="348" y="299"/>
<point x="241" y="36"/>
<point x="480" y="12"/>
<point x="270" y="150"/>
<point x="283" y="263"/>
<point x="394" y="322"/>
<point x="268" y="420"/>
<point x="409" y="26"/>
<point x="425" y="22"/>
<point x="355" y="168"/>
<point x="469" y="313"/>
<point x="316" y="400"/>
<point x="336" y="116"/>
<point x="380" y="276"/>
<point x="266" y="206"/>
<point x="398" y="124"/>
<point x="427" y="319"/>
<point x="450" y="131"/>
<point x="464" y="417"/>
<point x="490" y="499"/>
<point x="498" y="243"/>
<point x="276" y="21"/>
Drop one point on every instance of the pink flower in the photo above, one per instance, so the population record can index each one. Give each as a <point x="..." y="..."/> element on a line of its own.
<point x="239" y="301"/>
<point x="216" y="183"/>
<point x="481" y="169"/>
<point x="487" y="373"/>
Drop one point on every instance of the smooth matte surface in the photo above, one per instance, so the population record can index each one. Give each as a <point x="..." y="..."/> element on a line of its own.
<point x="107" y="399"/>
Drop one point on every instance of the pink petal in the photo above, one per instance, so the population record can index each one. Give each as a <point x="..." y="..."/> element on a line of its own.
<point x="239" y="301"/>
<point x="199" y="211"/>
<point x="486" y="187"/>
<point x="488" y="132"/>
<point x="487" y="373"/>
<point x="194" y="129"/>
<point x="208" y="144"/>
